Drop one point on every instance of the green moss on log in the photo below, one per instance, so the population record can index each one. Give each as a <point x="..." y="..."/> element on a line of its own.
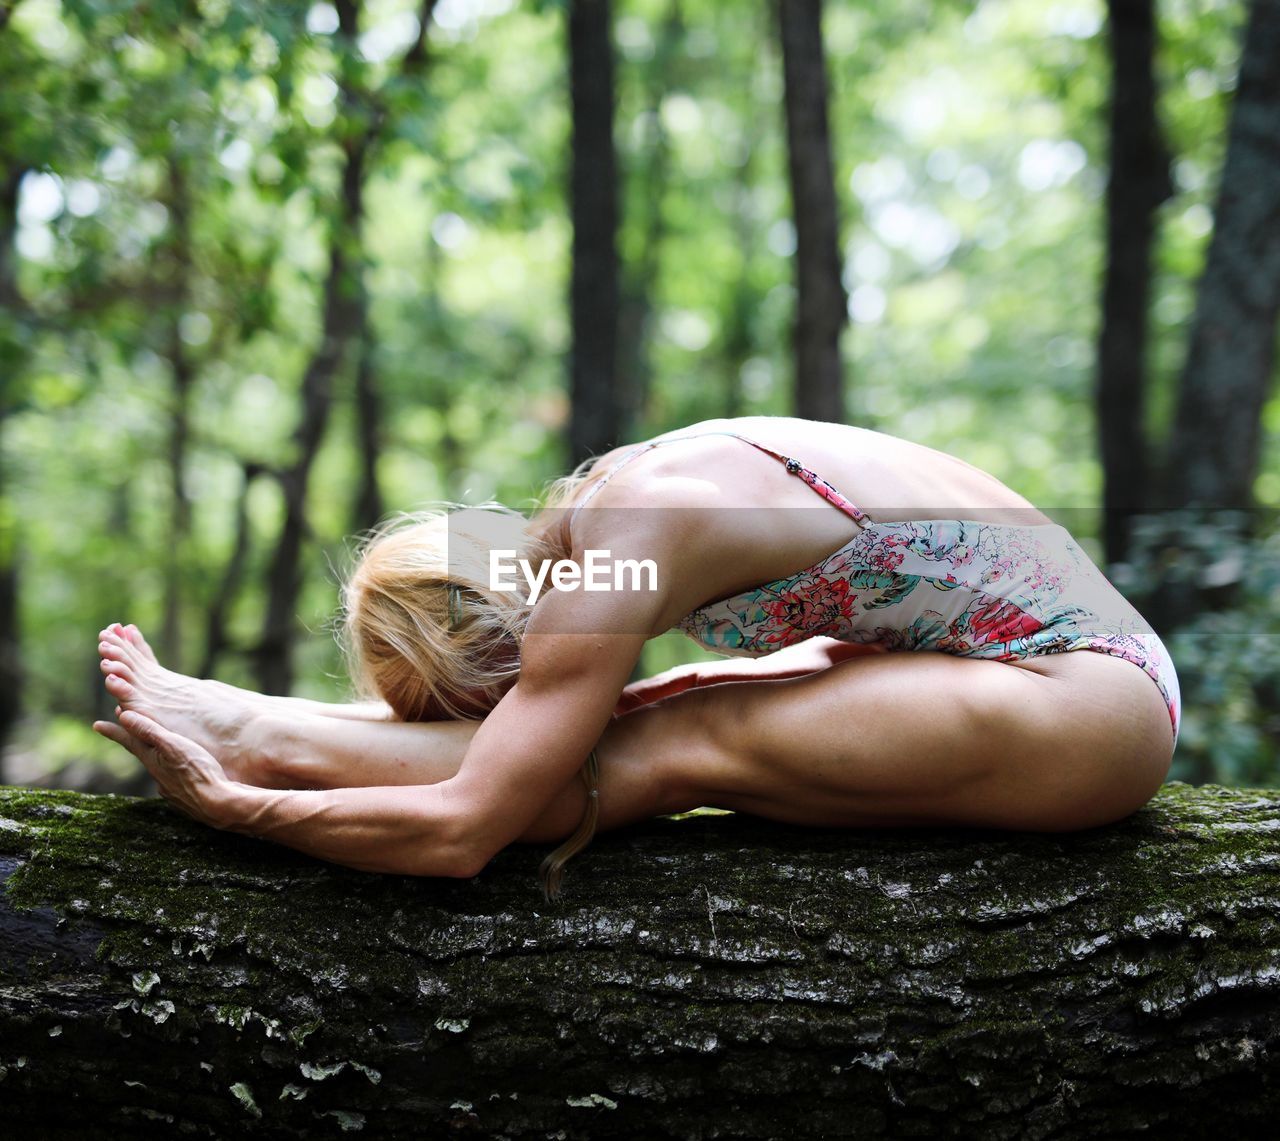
<point x="930" y="980"/>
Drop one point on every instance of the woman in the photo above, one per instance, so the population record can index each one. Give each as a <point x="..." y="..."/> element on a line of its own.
<point x="491" y="699"/>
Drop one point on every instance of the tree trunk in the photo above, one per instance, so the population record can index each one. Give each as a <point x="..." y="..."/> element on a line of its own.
<point x="1213" y="456"/>
<point x="346" y="333"/>
<point x="1139" y="182"/>
<point x="216" y="638"/>
<point x="284" y="581"/>
<point x="11" y="671"/>
<point x="368" y="507"/>
<point x="594" y="300"/>
<point x="709" y="977"/>
<point x="341" y="330"/>
<point x="742" y="295"/>
<point x="640" y="282"/>
<point x="1213" y="453"/>
<point x="183" y="372"/>
<point x="821" y="303"/>
<point x="14" y="349"/>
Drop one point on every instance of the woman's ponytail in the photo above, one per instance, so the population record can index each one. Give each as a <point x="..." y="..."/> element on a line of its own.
<point x="552" y="870"/>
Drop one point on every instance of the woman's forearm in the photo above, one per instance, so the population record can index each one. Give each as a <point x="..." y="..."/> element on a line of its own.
<point x="794" y="661"/>
<point x="407" y="830"/>
<point x="799" y="660"/>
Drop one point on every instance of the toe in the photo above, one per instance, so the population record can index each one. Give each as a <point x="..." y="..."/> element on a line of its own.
<point x="135" y="636"/>
<point x="138" y="643"/>
<point x="111" y="647"/>
<point x="120" y="689"/>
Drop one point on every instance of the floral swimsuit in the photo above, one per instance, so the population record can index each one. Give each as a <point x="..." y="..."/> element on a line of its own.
<point x="978" y="590"/>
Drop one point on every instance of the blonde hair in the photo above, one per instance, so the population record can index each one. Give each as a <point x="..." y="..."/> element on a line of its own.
<point x="422" y="629"/>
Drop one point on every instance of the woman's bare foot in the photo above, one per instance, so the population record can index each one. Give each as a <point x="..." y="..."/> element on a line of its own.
<point x="219" y="717"/>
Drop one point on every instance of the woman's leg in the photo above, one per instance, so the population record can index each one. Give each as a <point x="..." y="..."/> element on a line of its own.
<point x="308" y="752"/>
<point x="118" y="636"/>
<point x="894" y="739"/>
<point x="1070" y="741"/>
<point x="281" y="743"/>
<point x="885" y="739"/>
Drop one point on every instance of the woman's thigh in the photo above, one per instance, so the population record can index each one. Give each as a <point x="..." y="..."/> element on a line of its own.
<point x="930" y="738"/>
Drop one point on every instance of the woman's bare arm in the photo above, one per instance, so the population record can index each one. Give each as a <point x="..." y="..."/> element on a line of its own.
<point x="577" y="652"/>
<point x="516" y="763"/>
<point x="800" y="660"/>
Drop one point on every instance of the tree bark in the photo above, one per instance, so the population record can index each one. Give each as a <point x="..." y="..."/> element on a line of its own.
<point x="594" y="291"/>
<point x="1139" y="182"/>
<point x="1213" y="456"/>
<point x="821" y="302"/>
<point x="716" y="976"/>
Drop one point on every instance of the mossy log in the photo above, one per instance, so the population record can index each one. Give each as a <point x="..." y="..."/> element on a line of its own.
<point x="708" y="977"/>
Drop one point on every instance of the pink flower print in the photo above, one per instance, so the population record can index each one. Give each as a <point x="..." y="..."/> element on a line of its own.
<point x="950" y="543"/>
<point x="816" y="607"/>
<point x="1001" y="621"/>
<point x="1000" y="568"/>
<point x="841" y="563"/>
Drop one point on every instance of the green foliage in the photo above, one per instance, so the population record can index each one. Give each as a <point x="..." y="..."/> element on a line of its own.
<point x="180" y="168"/>
<point x="1228" y="658"/>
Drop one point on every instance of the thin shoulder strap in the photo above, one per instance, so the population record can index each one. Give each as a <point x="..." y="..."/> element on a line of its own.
<point x="795" y="467"/>
<point x="813" y="479"/>
<point x="599" y="483"/>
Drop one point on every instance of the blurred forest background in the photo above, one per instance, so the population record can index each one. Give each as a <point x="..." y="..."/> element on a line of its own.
<point x="270" y="270"/>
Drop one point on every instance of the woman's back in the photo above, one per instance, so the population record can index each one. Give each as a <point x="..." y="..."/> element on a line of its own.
<point x="927" y="553"/>
<point x="888" y="477"/>
<point x="755" y="523"/>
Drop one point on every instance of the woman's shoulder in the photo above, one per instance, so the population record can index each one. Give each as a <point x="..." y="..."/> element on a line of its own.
<point x="704" y="466"/>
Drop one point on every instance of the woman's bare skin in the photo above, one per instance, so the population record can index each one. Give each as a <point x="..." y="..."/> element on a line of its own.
<point x="264" y="740"/>
<point x="1060" y="741"/>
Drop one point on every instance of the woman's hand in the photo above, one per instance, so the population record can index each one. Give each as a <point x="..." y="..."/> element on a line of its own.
<point x="650" y="689"/>
<point x="800" y="660"/>
<point x="189" y="776"/>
